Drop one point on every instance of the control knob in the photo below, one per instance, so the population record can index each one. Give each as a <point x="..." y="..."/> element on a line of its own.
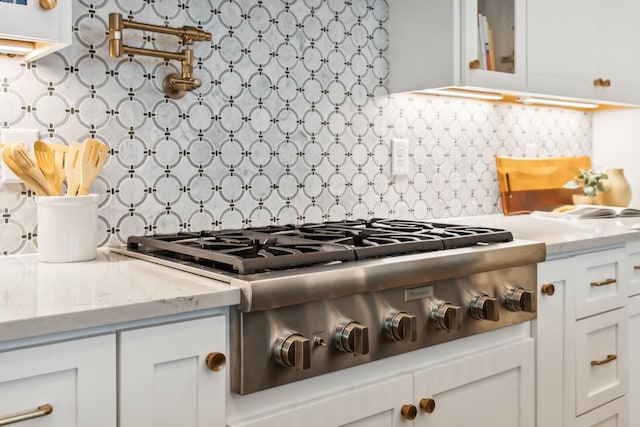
<point x="483" y="307"/>
<point x="447" y="316"/>
<point x="352" y="337"/>
<point x="401" y="326"/>
<point x="520" y="299"/>
<point x="293" y="351"/>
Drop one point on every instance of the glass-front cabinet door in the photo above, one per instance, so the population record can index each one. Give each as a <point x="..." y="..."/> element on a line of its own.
<point x="493" y="44"/>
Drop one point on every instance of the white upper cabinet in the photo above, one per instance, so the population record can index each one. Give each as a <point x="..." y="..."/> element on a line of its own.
<point x="584" y="49"/>
<point x="32" y="29"/>
<point x="437" y="43"/>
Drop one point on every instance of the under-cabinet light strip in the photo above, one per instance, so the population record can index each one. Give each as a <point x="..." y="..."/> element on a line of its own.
<point x="490" y="96"/>
<point x="557" y="103"/>
<point x="15" y="47"/>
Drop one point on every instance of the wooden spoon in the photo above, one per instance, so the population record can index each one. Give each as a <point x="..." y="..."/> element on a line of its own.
<point x="72" y="168"/>
<point x="17" y="158"/>
<point x="94" y="155"/>
<point x="46" y="163"/>
<point x="59" y="157"/>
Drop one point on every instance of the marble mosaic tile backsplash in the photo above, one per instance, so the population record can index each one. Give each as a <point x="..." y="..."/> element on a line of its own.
<point x="293" y="123"/>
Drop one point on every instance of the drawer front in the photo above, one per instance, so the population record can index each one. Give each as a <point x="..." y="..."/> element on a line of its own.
<point x="613" y="414"/>
<point x="601" y="283"/>
<point x="601" y="359"/>
<point x="633" y="268"/>
<point x="76" y="378"/>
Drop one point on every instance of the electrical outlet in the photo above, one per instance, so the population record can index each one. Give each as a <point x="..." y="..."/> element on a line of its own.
<point x="399" y="156"/>
<point x="26" y="136"/>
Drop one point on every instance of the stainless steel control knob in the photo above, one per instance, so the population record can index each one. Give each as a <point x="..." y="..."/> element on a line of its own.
<point x="520" y="299"/>
<point x="401" y="326"/>
<point x="293" y="351"/>
<point x="483" y="307"/>
<point x="447" y="316"/>
<point x="352" y="337"/>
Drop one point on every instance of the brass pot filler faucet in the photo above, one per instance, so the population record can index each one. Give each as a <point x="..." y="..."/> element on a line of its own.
<point x="174" y="85"/>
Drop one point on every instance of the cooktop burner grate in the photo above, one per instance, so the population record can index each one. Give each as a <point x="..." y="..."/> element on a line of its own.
<point x="259" y="249"/>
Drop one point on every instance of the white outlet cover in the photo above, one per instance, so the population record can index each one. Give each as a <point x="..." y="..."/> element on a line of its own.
<point x="26" y="136"/>
<point x="399" y="156"/>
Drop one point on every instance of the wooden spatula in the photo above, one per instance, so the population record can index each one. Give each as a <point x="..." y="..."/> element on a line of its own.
<point x="30" y="172"/>
<point x="59" y="157"/>
<point x="94" y="155"/>
<point x="46" y="163"/>
<point x="72" y="168"/>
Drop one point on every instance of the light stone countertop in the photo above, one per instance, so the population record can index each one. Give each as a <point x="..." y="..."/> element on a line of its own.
<point x="560" y="235"/>
<point x="38" y="298"/>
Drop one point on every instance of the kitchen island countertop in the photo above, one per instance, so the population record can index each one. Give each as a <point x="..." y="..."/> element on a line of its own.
<point x="560" y="235"/>
<point x="38" y="298"/>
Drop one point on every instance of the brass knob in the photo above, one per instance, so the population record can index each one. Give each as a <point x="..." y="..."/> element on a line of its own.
<point x="216" y="361"/>
<point x="428" y="405"/>
<point x="606" y="83"/>
<point x="475" y="64"/>
<point x="548" y="289"/>
<point x="597" y="82"/>
<point x="409" y="412"/>
<point x="48" y="4"/>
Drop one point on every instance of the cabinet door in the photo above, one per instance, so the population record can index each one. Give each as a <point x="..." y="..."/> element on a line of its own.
<point x="633" y="268"/>
<point x="612" y="414"/>
<point x="615" y="36"/>
<point x="601" y="282"/>
<point x="507" y="21"/>
<point x="374" y="405"/>
<point x="601" y="359"/>
<point x="555" y="284"/>
<point x="634" y="360"/>
<point x="490" y="389"/>
<point x="76" y="378"/>
<point x="164" y="378"/>
<point x="558" y="59"/>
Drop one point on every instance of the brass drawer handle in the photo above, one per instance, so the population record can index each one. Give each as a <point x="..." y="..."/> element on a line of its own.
<point x="40" y="411"/>
<point x="604" y="282"/>
<point x="636" y="267"/>
<point x="610" y="358"/>
<point x="548" y="289"/>
<point x="409" y="412"/>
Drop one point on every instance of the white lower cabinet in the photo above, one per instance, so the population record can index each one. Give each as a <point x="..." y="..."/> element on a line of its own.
<point x="585" y="358"/>
<point x="634" y="361"/>
<point x="164" y="379"/>
<point x="75" y="378"/>
<point x="370" y="405"/>
<point x="491" y="388"/>
<point x="171" y="374"/>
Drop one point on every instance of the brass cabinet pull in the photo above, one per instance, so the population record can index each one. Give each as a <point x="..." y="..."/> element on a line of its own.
<point x="48" y="4"/>
<point x="548" y="289"/>
<point x="610" y="358"/>
<point x="604" y="282"/>
<point x="428" y="405"/>
<point x="602" y="82"/>
<point x="636" y="267"/>
<point x="40" y="411"/>
<point x="216" y="361"/>
<point x="409" y="412"/>
<point x="475" y="64"/>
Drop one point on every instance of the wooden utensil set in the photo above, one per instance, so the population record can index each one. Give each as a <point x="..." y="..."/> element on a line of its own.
<point x="78" y="163"/>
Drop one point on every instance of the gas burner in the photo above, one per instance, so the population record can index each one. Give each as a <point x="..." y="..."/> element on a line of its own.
<point x="260" y="249"/>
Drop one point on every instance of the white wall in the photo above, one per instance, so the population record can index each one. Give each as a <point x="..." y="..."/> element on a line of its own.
<point x="616" y="144"/>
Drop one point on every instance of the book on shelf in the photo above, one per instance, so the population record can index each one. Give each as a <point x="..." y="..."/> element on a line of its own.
<point x="589" y="212"/>
<point x="485" y="44"/>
